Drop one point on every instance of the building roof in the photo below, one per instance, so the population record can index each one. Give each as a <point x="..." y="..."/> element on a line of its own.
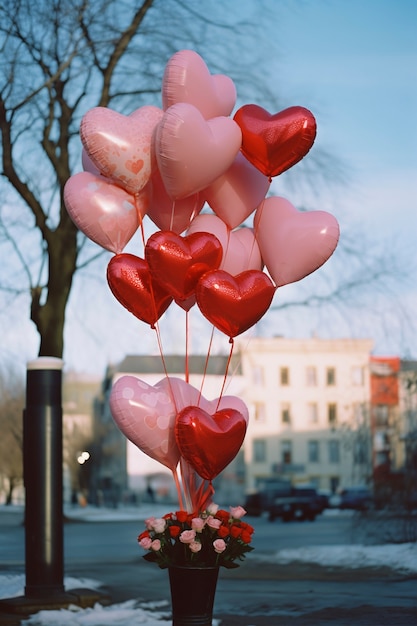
<point x="176" y="364"/>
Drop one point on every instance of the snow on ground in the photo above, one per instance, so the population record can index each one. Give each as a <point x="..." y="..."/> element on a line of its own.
<point x="400" y="557"/>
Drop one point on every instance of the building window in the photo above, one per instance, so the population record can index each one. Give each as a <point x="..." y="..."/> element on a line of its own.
<point x="334" y="451"/>
<point x="359" y="413"/>
<point x="259" y="450"/>
<point x="330" y="376"/>
<point x="332" y="414"/>
<point x="313" y="413"/>
<point x="258" y="375"/>
<point x="313" y="451"/>
<point x="260" y="412"/>
<point x="284" y="376"/>
<point x="381" y="413"/>
<point x="285" y="413"/>
<point x="311" y="376"/>
<point x="360" y="456"/>
<point x="286" y="451"/>
<point x="358" y="376"/>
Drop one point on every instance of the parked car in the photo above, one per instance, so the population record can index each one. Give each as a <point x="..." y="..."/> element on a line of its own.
<point x="259" y="501"/>
<point x="303" y="503"/>
<point x="357" y="498"/>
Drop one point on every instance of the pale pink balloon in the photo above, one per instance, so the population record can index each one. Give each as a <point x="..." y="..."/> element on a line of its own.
<point x="238" y="192"/>
<point x="146" y="414"/>
<point x="169" y="214"/>
<point x="120" y="145"/>
<point x="240" y="248"/>
<point x="192" y="152"/>
<point x="293" y="243"/>
<point x="104" y="212"/>
<point x="188" y="79"/>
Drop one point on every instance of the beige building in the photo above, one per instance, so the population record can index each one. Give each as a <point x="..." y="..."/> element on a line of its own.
<point x="308" y="402"/>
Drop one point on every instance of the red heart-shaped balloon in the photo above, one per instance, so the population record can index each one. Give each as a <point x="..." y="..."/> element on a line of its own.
<point x="209" y="442"/>
<point x="132" y="285"/>
<point x="234" y="303"/>
<point x="178" y="262"/>
<point x="274" y="143"/>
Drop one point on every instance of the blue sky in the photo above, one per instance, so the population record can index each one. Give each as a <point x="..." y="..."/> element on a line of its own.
<point x="354" y="65"/>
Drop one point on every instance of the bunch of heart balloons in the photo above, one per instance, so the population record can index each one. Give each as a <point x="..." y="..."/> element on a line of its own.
<point x="166" y="164"/>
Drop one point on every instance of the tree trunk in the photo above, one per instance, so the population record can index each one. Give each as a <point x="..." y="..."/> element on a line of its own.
<point x="49" y="316"/>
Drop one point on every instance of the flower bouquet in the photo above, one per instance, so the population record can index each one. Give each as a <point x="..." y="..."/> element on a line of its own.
<point x="212" y="539"/>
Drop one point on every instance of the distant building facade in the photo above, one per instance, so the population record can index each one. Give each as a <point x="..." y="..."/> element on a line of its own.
<point x="320" y="411"/>
<point x="309" y="411"/>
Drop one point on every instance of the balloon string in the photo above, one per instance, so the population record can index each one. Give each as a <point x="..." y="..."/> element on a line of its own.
<point x="188" y="481"/>
<point x="171" y="223"/>
<point x="142" y="230"/>
<point x="187" y="334"/>
<point x="178" y="487"/>
<point x="205" y="498"/>
<point x="205" y="366"/>
<point x="232" y="345"/>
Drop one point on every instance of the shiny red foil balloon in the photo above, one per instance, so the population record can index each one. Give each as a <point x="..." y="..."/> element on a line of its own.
<point x="132" y="285"/>
<point x="178" y="262"/>
<point x="209" y="442"/>
<point x="274" y="143"/>
<point x="234" y="303"/>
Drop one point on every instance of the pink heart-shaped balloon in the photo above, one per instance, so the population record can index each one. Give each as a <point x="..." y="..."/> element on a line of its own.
<point x="237" y="193"/>
<point x="192" y="152"/>
<point x="293" y="243"/>
<point x="133" y="285"/>
<point x="234" y="303"/>
<point x="209" y="442"/>
<point x="240" y="248"/>
<point x="105" y="213"/>
<point x="146" y="415"/>
<point x="168" y="214"/>
<point x="178" y="262"/>
<point x="188" y="79"/>
<point x="119" y="145"/>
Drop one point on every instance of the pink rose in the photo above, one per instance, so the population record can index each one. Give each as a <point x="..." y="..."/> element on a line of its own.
<point x="213" y="522"/>
<point x="197" y="524"/>
<point x="212" y="508"/>
<point x="149" y="523"/>
<point x="187" y="536"/>
<point x="195" y="546"/>
<point x="237" y="512"/>
<point x="156" y="545"/>
<point x="219" y="546"/>
<point x="159" y="524"/>
<point x="145" y="543"/>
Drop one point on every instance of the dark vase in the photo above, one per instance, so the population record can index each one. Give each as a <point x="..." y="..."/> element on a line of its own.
<point x="192" y="595"/>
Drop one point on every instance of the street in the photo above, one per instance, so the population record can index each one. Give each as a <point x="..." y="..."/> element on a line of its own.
<point x="258" y="593"/>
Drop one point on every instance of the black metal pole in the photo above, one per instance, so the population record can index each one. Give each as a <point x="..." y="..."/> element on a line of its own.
<point x="42" y="463"/>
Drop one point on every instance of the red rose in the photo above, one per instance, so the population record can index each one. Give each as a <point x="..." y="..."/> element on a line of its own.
<point x="246" y="537"/>
<point x="143" y="535"/>
<point x="223" y="531"/>
<point x="181" y="516"/>
<point x="223" y="515"/>
<point x="235" y="531"/>
<point x="174" y="531"/>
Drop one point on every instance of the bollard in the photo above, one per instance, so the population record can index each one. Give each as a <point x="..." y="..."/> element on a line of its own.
<point x="42" y="467"/>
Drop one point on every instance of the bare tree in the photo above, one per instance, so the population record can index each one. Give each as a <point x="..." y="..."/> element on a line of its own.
<point x="58" y="60"/>
<point x="12" y="401"/>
